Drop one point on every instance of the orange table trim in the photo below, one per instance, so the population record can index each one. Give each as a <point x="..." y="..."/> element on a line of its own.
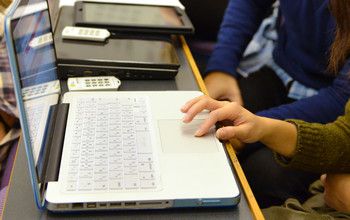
<point x="253" y="205"/>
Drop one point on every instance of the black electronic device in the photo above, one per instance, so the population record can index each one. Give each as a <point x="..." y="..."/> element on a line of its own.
<point x="123" y="56"/>
<point x="118" y="17"/>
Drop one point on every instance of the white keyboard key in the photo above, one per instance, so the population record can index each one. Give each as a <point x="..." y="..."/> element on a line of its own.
<point x="147" y="176"/>
<point x="145" y="167"/>
<point x="101" y="185"/>
<point x="131" y="181"/>
<point x="131" y="170"/>
<point x="111" y="146"/>
<point x="116" y="184"/>
<point x="145" y="157"/>
<point x="85" y="184"/>
<point x="147" y="184"/>
<point x="116" y="175"/>
<point x="71" y="186"/>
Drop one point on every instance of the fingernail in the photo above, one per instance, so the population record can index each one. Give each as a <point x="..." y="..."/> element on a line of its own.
<point x="219" y="133"/>
<point x="198" y="133"/>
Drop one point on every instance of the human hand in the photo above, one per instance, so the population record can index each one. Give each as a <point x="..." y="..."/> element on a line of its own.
<point x="337" y="191"/>
<point x="245" y="125"/>
<point x="222" y="86"/>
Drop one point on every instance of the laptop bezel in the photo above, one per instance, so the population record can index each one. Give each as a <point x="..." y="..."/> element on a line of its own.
<point x="36" y="186"/>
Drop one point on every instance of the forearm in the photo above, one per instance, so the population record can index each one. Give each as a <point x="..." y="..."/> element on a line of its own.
<point x="279" y="136"/>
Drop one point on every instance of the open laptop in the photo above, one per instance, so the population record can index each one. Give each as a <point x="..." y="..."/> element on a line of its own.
<point x="108" y="150"/>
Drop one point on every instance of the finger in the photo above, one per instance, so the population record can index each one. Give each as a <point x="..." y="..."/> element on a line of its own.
<point x="226" y="133"/>
<point x="188" y="104"/>
<point x="203" y="103"/>
<point x="239" y="132"/>
<point x="195" y="109"/>
<point x="214" y="116"/>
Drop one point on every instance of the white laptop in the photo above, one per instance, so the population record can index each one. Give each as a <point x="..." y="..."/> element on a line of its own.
<point x="109" y="150"/>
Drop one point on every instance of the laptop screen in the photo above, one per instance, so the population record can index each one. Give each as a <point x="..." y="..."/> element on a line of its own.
<point x="29" y="41"/>
<point x="31" y="31"/>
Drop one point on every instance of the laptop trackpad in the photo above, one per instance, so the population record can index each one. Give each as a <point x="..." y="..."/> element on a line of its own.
<point x="178" y="137"/>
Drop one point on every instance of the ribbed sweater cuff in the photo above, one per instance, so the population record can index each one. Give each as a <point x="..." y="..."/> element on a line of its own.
<point x="308" y="151"/>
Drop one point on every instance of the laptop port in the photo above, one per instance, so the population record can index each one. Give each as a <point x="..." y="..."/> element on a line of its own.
<point x="87" y="72"/>
<point x="130" y="204"/>
<point x="116" y="204"/>
<point x="62" y="206"/>
<point x="150" y="203"/>
<point x="103" y="205"/>
<point x="77" y="205"/>
<point x="91" y="205"/>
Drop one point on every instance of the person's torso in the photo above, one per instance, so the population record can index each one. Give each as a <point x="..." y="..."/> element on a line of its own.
<point x="306" y="32"/>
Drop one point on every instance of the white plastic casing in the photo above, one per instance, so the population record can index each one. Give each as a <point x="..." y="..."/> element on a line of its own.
<point x="93" y="83"/>
<point x="82" y="33"/>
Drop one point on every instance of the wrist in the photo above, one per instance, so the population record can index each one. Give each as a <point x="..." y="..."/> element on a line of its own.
<point x="264" y="131"/>
<point x="279" y="136"/>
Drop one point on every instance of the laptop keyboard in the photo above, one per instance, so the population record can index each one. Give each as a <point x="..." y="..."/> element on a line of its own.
<point x="111" y="146"/>
<point x="37" y="111"/>
<point x="34" y="114"/>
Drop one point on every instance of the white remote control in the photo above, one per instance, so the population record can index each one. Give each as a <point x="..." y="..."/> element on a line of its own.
<point x="41" y="41"/>
<point x="39" y="90"/>
<point x="93" y="83"/>
<point x="82" y="33"/>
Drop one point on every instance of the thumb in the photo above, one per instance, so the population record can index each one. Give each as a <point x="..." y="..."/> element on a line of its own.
<point x="229" y="132"/>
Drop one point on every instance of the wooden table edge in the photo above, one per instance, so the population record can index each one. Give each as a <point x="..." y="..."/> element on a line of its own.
<point x="253" y="205"/>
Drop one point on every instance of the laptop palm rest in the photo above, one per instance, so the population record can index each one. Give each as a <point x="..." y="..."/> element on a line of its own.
<point x="178" y="137"/>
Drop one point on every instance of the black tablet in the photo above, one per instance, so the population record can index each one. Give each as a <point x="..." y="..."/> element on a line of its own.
<point x="118" y="17"/>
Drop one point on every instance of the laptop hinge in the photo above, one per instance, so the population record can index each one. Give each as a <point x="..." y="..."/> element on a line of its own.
<point x="54" y="142"/>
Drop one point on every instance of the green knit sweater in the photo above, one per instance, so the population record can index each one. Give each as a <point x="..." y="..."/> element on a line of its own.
<point x="322" y="148"/>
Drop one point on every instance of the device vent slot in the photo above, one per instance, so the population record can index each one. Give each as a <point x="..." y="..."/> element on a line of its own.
<point x="77" y="205"/>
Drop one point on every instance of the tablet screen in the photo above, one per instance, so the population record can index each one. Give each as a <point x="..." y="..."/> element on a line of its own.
<point x="131" y="15"/>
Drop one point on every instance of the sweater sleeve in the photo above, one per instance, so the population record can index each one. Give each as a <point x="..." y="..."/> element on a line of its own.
<point x="242" y="19"/>
<point x="322" y="148"/>
<point x="324" y="107"/>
